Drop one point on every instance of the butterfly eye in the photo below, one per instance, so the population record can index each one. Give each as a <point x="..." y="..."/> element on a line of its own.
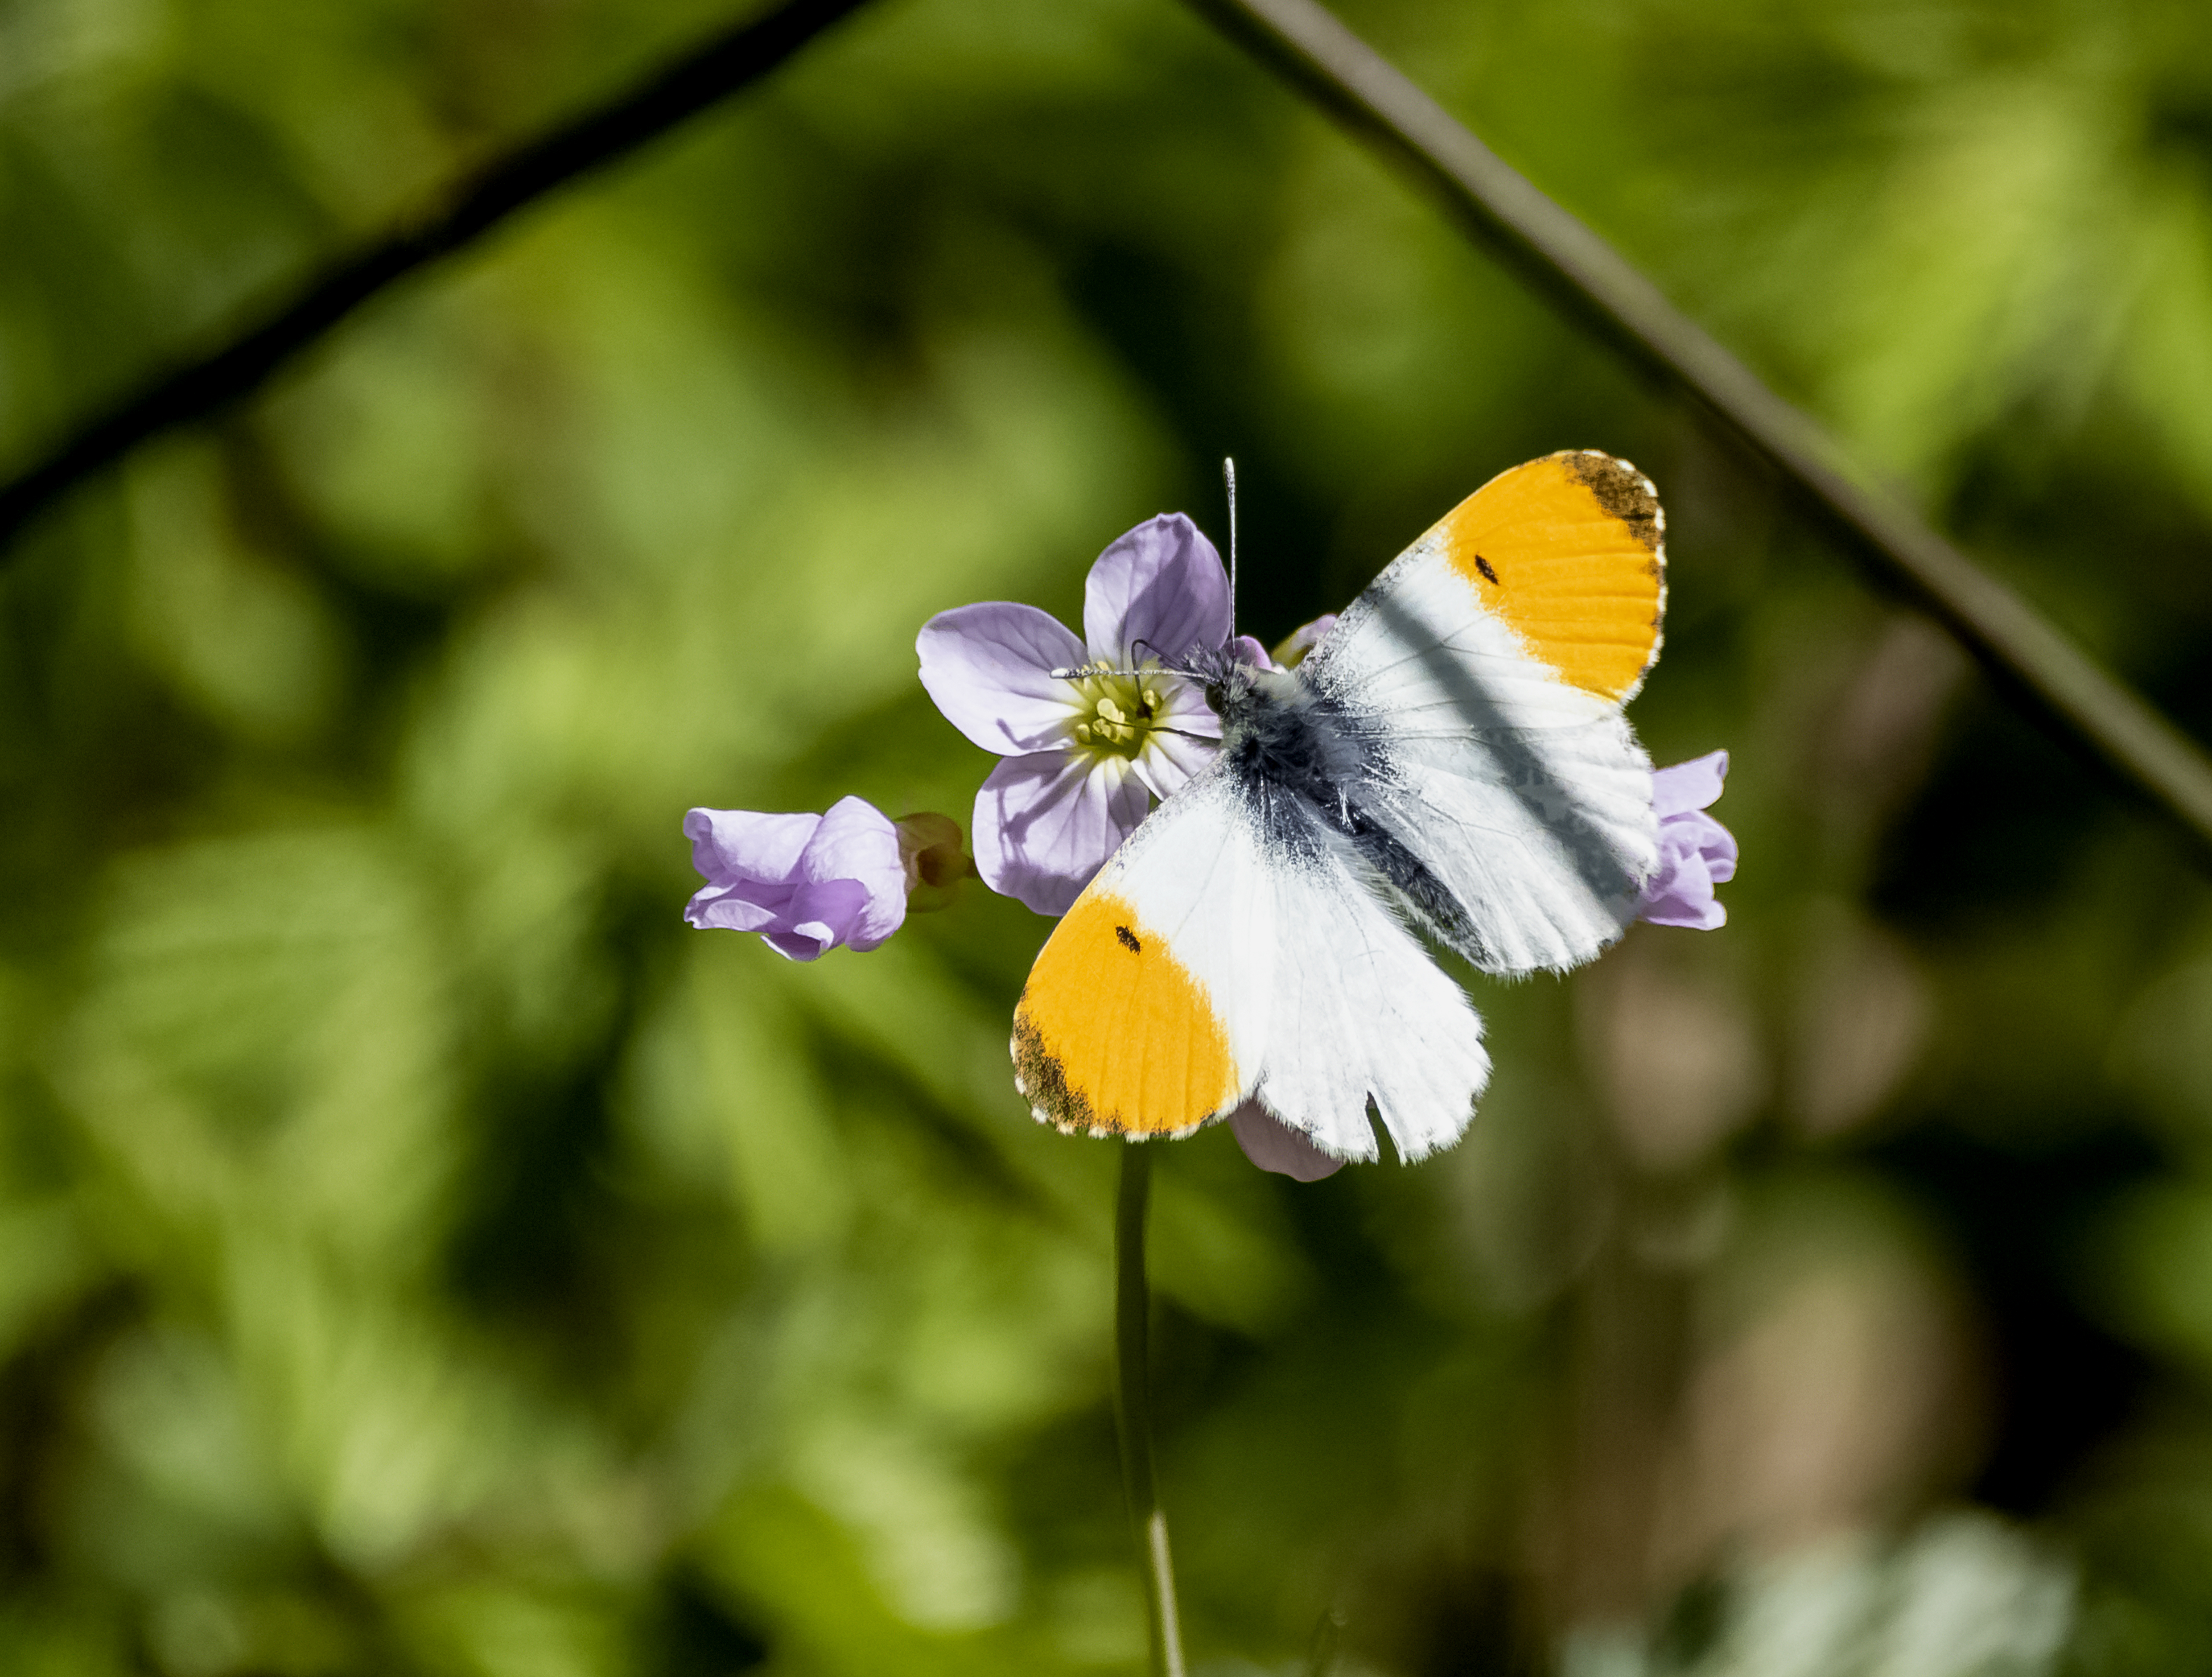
<point x="1216" y="696"/>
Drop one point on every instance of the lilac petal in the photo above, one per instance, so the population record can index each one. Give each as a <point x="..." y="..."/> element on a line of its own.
<point x="806" y="883"/>
<point x="1245" y="650"/>
<point x="1189" y="735"/>
<point x="1171" y="761"/>
<point x="858" y="843"/>
<point x="821" y="915"/>
<point x="1183" y="708"/>
<point x="1688" y="902"/>
<point x="1045" y="823"/>
<point x="1161" y="584"/>
<point x="989" y="667"/>
<point x="1274" y="1145"/>
<point x="1714" y="844"/>
<point x="731" y="909"/>
<point x="855" y="841"/>
<point x="1688" y="786"/>
<point x="734" y="844"/>
<point x="1687" y="916"/>
<point x="1696" y="852"/>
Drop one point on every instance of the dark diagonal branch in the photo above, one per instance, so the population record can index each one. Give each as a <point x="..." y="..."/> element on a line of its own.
<point x="609" y="132"/>
<point x="1572" y="266"/>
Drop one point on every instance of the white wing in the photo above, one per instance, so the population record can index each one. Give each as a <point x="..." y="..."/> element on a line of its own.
<point x="1527" y="799"/>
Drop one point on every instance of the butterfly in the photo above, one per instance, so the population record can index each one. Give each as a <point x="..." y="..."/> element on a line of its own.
<point x="1451" y="761"/>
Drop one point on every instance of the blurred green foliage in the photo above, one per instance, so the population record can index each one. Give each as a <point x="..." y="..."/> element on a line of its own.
<point x="419" y="1252"/>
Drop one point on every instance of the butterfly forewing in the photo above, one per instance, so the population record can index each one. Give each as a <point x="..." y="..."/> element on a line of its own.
<point x="1135" y="1019"/>
<point x="1236" y="917"/>
<point x="1521" y="791"/>
<point x="1569" y="552"/>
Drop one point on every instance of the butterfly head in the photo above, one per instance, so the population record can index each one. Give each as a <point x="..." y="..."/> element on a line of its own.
<point x="1221" y="674"/>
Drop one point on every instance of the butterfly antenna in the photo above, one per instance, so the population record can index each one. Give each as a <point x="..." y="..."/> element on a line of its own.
<point x="1229" y="481"/>
<point x="1076" y="672"/>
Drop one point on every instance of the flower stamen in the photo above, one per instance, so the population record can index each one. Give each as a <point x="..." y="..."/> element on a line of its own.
<point x="1115" y="710"/>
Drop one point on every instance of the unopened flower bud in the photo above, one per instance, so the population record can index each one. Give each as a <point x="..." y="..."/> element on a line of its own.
<point x="930" y="852"/>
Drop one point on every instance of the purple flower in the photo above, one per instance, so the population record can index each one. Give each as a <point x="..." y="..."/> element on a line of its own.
<point x="1086" y="751"/>
<point x="1696" y="852"/>
<point x="1274" y="1145"/>
<point x="809" y="883"/>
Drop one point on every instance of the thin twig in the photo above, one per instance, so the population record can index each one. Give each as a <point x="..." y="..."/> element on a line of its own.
<point x="610" y="130"/>
<point x="1572" y="266"/>
<point x="1132" y="1408"/>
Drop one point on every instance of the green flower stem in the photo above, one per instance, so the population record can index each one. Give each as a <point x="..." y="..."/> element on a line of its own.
<point x="1133" y="1407"/>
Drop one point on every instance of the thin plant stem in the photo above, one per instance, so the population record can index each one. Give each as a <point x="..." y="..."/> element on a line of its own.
<point x="2034" y="662"/>
<point x="1564" y="260"/>
<point x="736" y="58"/>
<point x="1132" y="1408"/>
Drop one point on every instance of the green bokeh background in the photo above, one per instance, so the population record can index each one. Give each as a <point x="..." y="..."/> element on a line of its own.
<point x="422" y="1253"/>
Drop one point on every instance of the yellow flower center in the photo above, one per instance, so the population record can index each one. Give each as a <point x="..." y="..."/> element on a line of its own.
<point x="1116" y="713"/>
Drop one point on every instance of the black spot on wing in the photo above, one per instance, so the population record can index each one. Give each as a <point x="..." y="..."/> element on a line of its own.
<point x="1483" y="565"/>
<point x="1128" y="940"/>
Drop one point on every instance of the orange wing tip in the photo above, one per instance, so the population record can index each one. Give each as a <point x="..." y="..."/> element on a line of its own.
<point x="1114" y="1036"/>
<point x="1630" y="488"/>
<point x="1569" y="552"/>
<point x="1042" y="1081"/>
<point x="1632" y="498"/>
<point x="1622" y="491"/>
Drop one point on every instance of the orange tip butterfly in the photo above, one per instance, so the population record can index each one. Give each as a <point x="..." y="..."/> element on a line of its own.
<point x="1451" y="761"/>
